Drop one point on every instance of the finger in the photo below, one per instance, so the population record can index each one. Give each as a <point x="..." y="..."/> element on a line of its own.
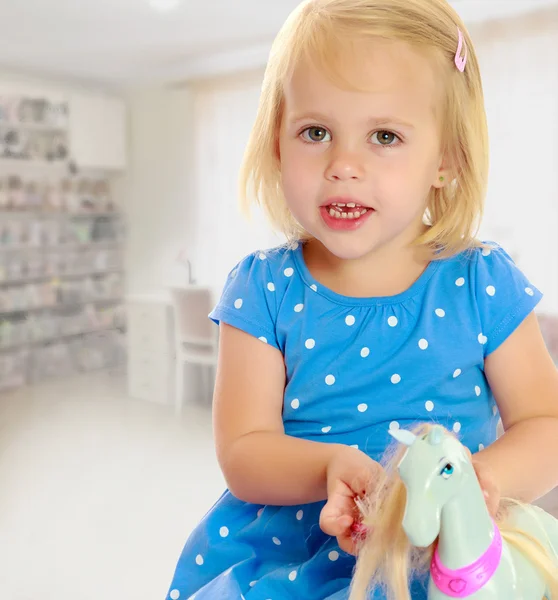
<point x="335" y="524"/>
<point x="348" y="544"/>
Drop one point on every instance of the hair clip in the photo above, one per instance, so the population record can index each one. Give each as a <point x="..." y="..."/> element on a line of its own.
<point x="460" y="61"/>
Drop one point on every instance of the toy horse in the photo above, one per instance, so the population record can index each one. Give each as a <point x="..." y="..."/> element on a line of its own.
<point x="445" y="512"/>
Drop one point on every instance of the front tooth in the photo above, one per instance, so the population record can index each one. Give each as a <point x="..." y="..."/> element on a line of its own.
<point x="338" y="214"/>
<point x="351" y="216"/>
<point x="332" y="212"/>
<point x="341" y="205"/>
<point x="334" y="204"/>
<point x="351" y="205"/>
<point x="344" y="215"/>
<point x="357" y="215"/>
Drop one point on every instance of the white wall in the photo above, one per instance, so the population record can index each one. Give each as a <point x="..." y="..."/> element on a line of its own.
<point x="157" y="187"/>
<point x="520" y="72"/>
<point x="180" y="198"/>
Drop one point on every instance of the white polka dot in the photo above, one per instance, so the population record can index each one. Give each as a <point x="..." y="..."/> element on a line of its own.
<point x="423" y="344"/>
<point x="456" y="373"/>
<point x="276" y="541"/>
<point x="392" y="321"/>
<point x="460" y="282"/>
<point x="224" y="532"/>
<point x="481" y="447"/>
<point x="477" y="390"/>
<point x="271" y="287"/>
<point x="486" y="251"/>
<point x="263" y="339"/>
<point x="495" y="410"/>
<point x="199" y="560"/>
<point x="333" y="555"/>
<point x="395" y="378"/>
<point x="314" y="287"/>
<point x="299" y="515"/>
<point x="440" y="312"/>
<point x="262" y="256"/>
<point x="482" y="339"/>
<point x="330" y="380"/>
<point x="429" y="406"/>
<point x="234" y="273"/>
<point x="292" y="575"/>
<point x="350" y="320"/>
<point x="491" y="290"/>
<point x="253" y="583"/>
<point x="174" y="595"/>
<point x="288" y="272"/>
<point x="362" y="407"/>
<point x="457" y="427"/>
<point x="295" y="403"/>
<point x="529" y="291"/>
<point x="260" y="512"/>
<point x="365" y="352"/>
<point x="326" y="429"/>
<point x="310" y="343"/>
<point x="299" y="307"/>
<point x="394" y="426"/>
<point x="355" y="446"/>
<point x="238" y="303"/>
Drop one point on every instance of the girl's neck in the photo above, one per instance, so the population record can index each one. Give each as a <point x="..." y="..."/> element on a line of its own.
<point x="383" y="272"/>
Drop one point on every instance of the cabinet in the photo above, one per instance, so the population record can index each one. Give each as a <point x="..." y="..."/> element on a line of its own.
<point x="150" y="349"/>
<point x="98" y="136"/>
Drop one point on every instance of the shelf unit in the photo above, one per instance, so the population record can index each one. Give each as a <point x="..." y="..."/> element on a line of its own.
<point x="61" y="245"/>
<point x="61" y="236"/>
<point x="56" y="319"/>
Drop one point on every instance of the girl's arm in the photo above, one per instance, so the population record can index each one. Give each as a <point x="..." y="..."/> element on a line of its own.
<point x="260" y="463"/>
<point x="524" y="381"/>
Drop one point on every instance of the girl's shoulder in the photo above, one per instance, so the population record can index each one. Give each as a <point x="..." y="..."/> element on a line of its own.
<point x="483" y="264"/>
<point x="270" y="260"/>
<point x="485" y="282"/>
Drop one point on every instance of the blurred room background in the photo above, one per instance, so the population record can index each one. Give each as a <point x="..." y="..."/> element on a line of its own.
<point x="122" y="128"/>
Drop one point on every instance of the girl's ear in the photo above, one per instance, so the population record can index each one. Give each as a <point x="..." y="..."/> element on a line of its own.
<point x="445" y="173"/>
<point x="442" y="179"/>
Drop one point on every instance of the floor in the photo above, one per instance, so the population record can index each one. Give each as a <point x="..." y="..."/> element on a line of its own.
<point x="98" y="492"/>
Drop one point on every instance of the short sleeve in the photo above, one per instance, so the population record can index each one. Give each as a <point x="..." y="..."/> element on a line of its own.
<point x="504" y="295"/>
<point x="248" y="301"/>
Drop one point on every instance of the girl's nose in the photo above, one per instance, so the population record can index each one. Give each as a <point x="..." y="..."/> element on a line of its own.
<point x="344" y="167"/>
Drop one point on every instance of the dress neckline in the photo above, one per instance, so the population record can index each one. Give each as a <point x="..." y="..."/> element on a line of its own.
<point x="317" y="287"/>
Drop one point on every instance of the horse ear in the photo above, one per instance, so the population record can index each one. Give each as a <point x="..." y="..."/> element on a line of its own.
<point x="436" y="436"/>
<point x="403" y="436"/>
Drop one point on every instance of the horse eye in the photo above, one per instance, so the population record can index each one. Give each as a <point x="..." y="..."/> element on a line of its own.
<point x="447" y="471"/>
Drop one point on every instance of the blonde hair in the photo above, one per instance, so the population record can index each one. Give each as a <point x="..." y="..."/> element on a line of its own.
<point x="315" y="31"/>
<point x="387" y="559"/>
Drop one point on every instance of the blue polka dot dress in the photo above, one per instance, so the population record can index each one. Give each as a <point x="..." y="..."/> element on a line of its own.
<point x="356" y="367"/>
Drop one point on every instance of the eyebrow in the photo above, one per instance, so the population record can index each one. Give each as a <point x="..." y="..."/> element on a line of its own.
<point x="374" y="121"/>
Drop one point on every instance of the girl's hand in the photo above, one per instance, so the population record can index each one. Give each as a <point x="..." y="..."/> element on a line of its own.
<point x="351" y="474"/>
<point x="489" y="484"/>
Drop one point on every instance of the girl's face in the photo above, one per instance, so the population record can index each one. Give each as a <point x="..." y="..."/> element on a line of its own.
<point x="357" y="166"/>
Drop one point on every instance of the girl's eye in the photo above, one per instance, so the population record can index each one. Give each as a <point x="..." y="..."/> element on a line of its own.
<point x="316" y="134"/>
<point x="385" y="138"/>
<point x="447" y="471"/>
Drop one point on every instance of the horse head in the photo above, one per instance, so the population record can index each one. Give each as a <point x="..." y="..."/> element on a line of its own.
<point x="433" y="470"/>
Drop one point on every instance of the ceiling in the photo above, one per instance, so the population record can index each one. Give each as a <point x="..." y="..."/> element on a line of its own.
<point x="125" y="42"/>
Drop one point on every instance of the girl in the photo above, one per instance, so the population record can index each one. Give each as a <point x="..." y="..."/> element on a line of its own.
<point x="369" y="152"/>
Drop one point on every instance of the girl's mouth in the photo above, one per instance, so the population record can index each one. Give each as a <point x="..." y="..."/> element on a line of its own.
<point x="345" y="217"/>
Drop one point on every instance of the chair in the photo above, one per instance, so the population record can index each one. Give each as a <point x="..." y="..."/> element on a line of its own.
<point x="196" y="337"/>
